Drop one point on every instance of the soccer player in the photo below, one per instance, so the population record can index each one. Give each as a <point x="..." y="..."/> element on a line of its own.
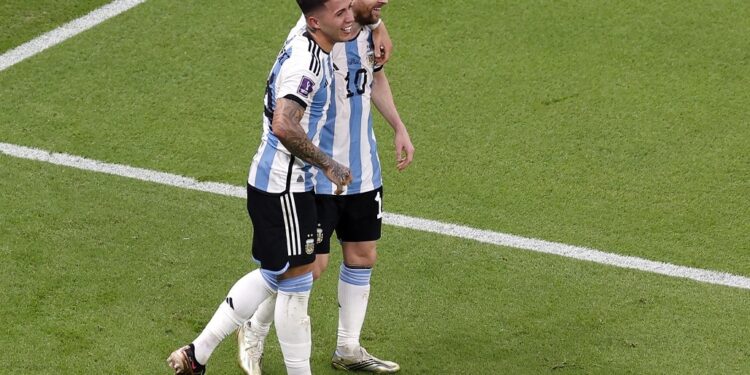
<point x="355" y="216"/>
<point x="280" y="199"/>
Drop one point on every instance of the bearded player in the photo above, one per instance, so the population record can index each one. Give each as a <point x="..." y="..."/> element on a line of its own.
<point x="356" y="215"/>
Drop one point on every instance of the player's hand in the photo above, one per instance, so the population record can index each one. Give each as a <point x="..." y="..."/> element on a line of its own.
<point x="383" y="44"/>
<point x="404" y="150"/>
<point x="339" y="175"/>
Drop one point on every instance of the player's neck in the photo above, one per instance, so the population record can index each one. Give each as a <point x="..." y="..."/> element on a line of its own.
<point x="356" y="29"/>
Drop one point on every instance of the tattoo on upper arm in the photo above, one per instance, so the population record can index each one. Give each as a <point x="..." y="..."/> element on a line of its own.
<point x="289" y="114"/>
<point x="291" y="110"/>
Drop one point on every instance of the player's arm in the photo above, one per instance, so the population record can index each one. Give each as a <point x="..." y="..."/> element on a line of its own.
<point x="382" y="97"/>
<point x="287" y="128"/>
<point x="382" y="42"/>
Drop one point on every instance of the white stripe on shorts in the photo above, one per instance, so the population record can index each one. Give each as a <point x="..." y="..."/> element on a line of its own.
<point x="284" y="212"/>
<point x="292" y="226"/>
<point x="297" y="239"/>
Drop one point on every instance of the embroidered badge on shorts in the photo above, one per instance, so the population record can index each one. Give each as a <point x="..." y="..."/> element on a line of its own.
<point x="305" y="86"/>
<point x="309" y="246"/>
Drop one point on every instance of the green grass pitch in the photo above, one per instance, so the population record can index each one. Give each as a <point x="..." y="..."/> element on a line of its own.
<point x="621" y="126"/>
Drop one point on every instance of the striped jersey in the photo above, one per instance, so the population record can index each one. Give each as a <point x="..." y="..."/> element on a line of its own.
<point x="347" y="134"/>
<point x="302" y="73"/>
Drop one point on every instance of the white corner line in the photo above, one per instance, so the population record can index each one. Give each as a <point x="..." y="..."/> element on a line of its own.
<point x="64" y="32"/>
<point x="403" y="221"/>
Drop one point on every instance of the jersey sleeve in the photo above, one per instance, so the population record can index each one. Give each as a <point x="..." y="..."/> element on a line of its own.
<point x="299" y="78"/>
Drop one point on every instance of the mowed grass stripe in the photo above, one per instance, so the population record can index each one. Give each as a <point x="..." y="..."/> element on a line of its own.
<point x="118" y="269"/>
<point x="501" y="239"/>
<point x="64" y="32"/>
<point x="625" y="165"/>
<point x="24" y="20"/>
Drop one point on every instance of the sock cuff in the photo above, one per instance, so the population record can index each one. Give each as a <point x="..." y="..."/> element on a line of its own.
<point x="270" y="278"/>
<point x="301" y="283"/>
<point x="355" y="276"/>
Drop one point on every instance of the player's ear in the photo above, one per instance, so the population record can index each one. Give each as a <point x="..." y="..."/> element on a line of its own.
<point x="313" y="23"/>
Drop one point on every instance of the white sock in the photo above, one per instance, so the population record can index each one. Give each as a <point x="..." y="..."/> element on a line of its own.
<point x="293" y="323"/>
<point x="354" y="293"/>
<point x="243" y="299"/>
<point x="261" y="321"/>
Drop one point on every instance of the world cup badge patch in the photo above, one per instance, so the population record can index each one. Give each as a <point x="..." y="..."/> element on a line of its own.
<point x="305" y="86"/>
<point x="309" y="246"/>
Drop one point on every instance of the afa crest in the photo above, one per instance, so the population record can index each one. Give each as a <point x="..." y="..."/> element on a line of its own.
<point x="370" y="56"/>
<point x="309" y="246"/>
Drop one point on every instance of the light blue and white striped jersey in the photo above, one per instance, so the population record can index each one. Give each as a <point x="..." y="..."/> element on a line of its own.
<point x="302" y="72"/>
<point x="347" y="134"/>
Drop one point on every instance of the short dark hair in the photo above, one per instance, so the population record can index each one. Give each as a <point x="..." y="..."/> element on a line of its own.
<point x="308" y="6"/>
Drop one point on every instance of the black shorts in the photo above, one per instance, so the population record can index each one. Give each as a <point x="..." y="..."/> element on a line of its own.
<point x="284" y="228"/>
<point x="355" y="218"/>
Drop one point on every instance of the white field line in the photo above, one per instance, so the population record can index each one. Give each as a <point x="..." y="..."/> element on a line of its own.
<point x="64" y="32"/>
<point x="485" y="236"/>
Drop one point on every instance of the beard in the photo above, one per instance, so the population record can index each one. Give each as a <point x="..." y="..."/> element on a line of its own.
<point x="366" y="19"/>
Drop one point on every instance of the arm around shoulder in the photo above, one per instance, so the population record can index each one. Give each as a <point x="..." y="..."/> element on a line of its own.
<point x="382" y="43"/>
